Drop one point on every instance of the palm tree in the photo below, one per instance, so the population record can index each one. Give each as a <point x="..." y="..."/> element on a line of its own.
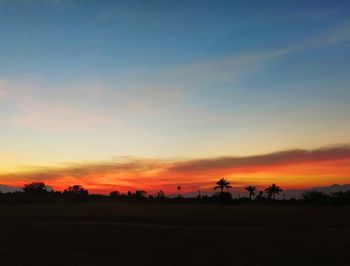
<point x="272" y="190"/>
<point x="222" y="183"/>
<point x="251" y="191"/>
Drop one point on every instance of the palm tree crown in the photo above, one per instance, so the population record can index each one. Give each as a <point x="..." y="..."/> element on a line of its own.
<point x="222" y="183"/>
<point x="273" y="190"/>
<point x="251" y="191"/>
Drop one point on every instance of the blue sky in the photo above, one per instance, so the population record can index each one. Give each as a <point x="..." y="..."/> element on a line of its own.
<point x="93" y="80"/>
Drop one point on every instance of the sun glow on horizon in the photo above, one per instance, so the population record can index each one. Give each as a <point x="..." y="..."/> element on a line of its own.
<point x="290" y="169"/>
<point x="124" y="95"/>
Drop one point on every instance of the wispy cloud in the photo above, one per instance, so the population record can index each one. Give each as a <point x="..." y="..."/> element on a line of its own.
<point x="45" y="111"/>
<point x="317" y="14"/>
<point x="2" y="91"/>
<point x="38" y="1"/>
<point x="330" y="37"/>
<point x="228" y="68"/>
<point x="232" y="67"/>
<point x="59" y="118"/>
<point x="143" y="91"/>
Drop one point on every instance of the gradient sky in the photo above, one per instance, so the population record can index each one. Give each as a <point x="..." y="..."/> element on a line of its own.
<point x="120" y="94"/>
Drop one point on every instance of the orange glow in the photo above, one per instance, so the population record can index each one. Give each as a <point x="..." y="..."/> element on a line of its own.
<point x="289" y="169"/>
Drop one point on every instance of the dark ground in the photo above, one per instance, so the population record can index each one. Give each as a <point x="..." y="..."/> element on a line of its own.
<point x="173" y="234"/>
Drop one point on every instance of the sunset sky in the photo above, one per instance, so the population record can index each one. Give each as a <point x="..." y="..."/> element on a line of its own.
<point x="125" y="95"/>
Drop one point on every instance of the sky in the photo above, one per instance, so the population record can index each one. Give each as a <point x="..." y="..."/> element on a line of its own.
<point x="125" y="95"/>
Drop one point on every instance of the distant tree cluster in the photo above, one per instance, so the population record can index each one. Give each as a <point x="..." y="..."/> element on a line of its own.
<point x="39" y="192"/>
<point x="76" y="190"/>
<point x="270" y="192"/>
<point x="317" y="197"/>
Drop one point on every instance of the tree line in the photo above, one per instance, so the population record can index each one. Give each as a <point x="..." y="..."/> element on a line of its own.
<point x="39" y="192"/>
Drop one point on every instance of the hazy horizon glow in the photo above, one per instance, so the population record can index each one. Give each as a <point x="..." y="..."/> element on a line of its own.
<point x="295" y="169"/>
<point x="121" y="95"/>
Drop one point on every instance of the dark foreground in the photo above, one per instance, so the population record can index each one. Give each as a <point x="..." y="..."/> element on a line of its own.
<point x="173" y="234"/>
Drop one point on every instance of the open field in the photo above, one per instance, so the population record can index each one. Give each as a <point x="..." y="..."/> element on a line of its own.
<point x="173" y="234"/>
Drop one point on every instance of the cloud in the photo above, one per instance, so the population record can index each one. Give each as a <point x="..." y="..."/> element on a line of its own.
<point x="331" y="37"/>
<point x="45" y="116"/>
<point x="231" y="67"/>
<point x="47" y="109"/>
<point x="228" y="68"/>
<point x="129" y="97"/>
<point x="33" y="1"/>
<point x="240" y="164"/>
<point x="2" y="90"/>
<point x="142" y="91"/>
<point x="154" y="174"/>
<point x="317" y="14"/>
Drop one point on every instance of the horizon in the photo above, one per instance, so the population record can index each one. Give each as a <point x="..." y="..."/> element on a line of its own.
<point x="236" y="193"/>
<point x="154" y="94"/>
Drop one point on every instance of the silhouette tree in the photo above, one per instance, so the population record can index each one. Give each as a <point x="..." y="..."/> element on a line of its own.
<point x="76" y="190"/>
<point x="178" y="191"/>
<point x="260" y="196"/>
<point x="340" y="197"/>
<point x="115" y="194"/>
<point x="140" y="194"/>
<point x="35" y="188"/>
<point x="315" y="197"/>
<point x="160" y="195"/>
<point x="222" y="184"/>
<point x="273" y="190"/>
<point x="251" y="191"/>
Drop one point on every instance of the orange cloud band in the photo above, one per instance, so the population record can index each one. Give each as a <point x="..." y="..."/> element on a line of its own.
<point x="290" y="169"/>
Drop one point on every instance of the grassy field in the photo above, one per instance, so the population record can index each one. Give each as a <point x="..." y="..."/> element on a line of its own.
<point x="173" y="234"/>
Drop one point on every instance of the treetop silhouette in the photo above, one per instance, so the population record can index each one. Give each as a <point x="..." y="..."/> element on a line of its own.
<point x="251" y="190"/>
<point x="222" y="184"/>
<point x="272" y="191"/>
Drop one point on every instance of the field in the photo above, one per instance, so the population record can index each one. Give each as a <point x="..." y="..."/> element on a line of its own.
<point x="173" y="234"/>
